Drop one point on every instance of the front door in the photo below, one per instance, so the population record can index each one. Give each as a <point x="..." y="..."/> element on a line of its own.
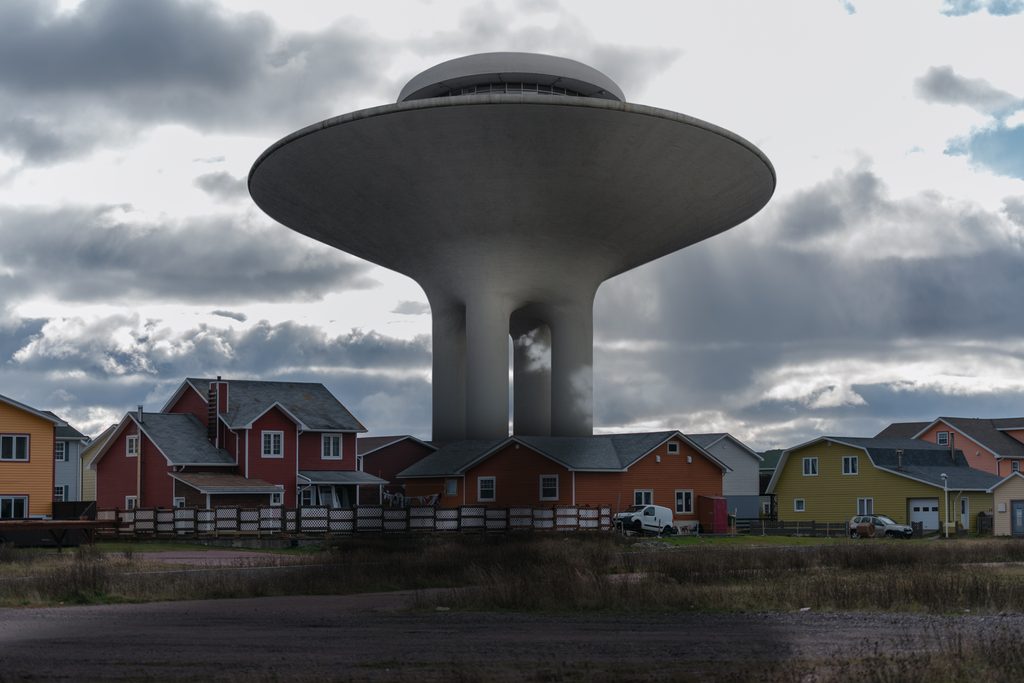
<point x="1017" y="517"/>
<point x="965" y="514"/>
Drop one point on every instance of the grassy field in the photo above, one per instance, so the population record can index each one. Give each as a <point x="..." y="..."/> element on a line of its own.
<point x="550" y="572"/>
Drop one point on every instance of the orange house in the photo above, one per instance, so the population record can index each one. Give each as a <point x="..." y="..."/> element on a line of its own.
<point x="27" y="450"/>
<point x="663" y="468"/>
<point x="991" y="445"/>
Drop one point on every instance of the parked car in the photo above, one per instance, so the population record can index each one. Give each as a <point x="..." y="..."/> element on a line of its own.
<point x="878" y="525"/>
<point x="650" y="519"/>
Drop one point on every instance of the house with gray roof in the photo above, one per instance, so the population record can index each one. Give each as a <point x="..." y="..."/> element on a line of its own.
<point x="67" y="462"/>
<point x="234" y="442"/>
<point x="741" y="485"/>
<point x="993" y="445"/>
<point x="617" y="470"/>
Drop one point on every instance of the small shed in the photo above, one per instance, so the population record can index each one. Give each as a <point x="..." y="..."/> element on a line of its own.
<point x="713" y="512"/>
<point x="1008" y="505"/>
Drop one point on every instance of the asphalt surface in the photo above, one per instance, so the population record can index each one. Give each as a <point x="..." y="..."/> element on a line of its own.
<point x="377" y="637"/>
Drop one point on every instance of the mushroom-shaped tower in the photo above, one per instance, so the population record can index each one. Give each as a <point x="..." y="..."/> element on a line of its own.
<point x="510" y="186"/>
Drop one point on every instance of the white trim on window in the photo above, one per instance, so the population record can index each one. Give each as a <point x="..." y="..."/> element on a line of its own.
<point x="131" y="446"/>
<point x="942" y="438"/>
<point x="643" y="496"/>
<point x="865" y="506"/>
<point x="178" y="502"/>
<point x="799" y="505"/>
<point x="331" y="447"/>
<point x="307" y="496"/>
<point x="10" y="450"/>
<point x="277" y="498"/>
<point x="673" y="447"/>
<point x="451" y="487"/>
<point x="491" y="484"/>
<point x="851" y="465"/>
<point x="811" y="466"/>
<point x="549" y="482"/>
<point x="1015" y="465"/>
<point x="272" y="443"/>
<point x="13" y="507"/>
<point x="60" y="452"/>
<point x="131" y="502"/>
<point x="684" y="501"/>
<point x="60" y="493"/>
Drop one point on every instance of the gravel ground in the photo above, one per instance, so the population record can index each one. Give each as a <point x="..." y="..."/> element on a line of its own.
<point x="377" y="637"/>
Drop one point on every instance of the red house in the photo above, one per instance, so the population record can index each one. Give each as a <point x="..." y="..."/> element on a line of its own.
<point x="234" y="442"/>
<point x="385" y="457"/>
<point x="663" y="468"/>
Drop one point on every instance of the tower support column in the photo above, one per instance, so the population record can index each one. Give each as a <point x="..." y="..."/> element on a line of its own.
<point x="531" y="377"/>
<point x="487" y="336"/>
<point x="572" y="367"/>
<point x="448" y="383"/>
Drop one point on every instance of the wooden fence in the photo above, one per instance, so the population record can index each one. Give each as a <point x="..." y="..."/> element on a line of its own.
<point x="324" y="521"/>
<point x="767" y="527"/>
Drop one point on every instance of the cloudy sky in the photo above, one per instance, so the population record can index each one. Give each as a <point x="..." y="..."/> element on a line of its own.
<point x="883" y="282"/>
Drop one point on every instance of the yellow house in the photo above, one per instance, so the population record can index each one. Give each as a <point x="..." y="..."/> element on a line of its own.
<point x="1008" y="499"/>
<point x="27" y="451"/>
<point x="90" y="452"/>
<point x="832" y="479"/>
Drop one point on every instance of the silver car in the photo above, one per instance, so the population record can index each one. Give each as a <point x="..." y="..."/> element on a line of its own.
<point x="883" y="526"/>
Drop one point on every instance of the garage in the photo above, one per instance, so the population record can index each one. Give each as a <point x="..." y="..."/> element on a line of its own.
<point x="926" y="511"/>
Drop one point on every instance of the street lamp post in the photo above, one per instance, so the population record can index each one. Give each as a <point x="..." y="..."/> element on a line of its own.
<point x="945" y="494"/>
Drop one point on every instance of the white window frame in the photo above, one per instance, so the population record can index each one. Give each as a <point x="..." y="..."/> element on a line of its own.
<point x="480" y="486"/>
<point x="131" y="446"/>
<point x="811" y="463"/>
<point x="62" y="496"/>
<point x="865" y="506"/>
<point x="60" y="453"/>
<point x="131" y="502"/>
<point x="263" y="444"/>
<point x="10" y="500"/>
<point x="14" y="438"/>
<point x="1015" y="466"/>
<point x="307" y="497"/>
<point x="684" y="509"/>
<point x="643" y="496"/>
<point x="673" y="448"/>
<point x="451" y="487"/>
<point x="325" y="454"/>
<point x="540" y="483"/>
<point x="178" y="502"/>
<point x="799" y="505"/>
<point x="942" y="438"/>
<point x="851" y="465"/>
<point x="277" y="498"/>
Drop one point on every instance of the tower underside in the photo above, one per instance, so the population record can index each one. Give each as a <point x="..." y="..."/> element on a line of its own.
<point x="509" y="211"/>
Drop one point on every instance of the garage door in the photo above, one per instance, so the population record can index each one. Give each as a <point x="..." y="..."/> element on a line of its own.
<point x="926" y="511"/>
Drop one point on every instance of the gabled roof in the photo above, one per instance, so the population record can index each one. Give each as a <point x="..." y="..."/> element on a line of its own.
<point x="902" y="430"/>
<point x="180" y="437"/>
<point x="365" y="445"/>
<point x="309" y="404"/>
<point x="98" y="443"/>
<point x="708" y="440"/>
<point x="910" y="458"/>
<point x="598" y="453"/>
<point x="988" y="433"/>
<point x="45" y="414"/>
<point x="1002" y="481"/>
<point x="65" y="431"/>
<point x="224" y="483"/>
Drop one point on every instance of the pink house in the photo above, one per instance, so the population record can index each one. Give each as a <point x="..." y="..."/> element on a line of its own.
<point x="992" y="445"/>
<point x="234" y="442"/>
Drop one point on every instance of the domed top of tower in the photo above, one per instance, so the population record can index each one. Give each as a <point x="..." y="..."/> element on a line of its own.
<point x="513" y="73"/>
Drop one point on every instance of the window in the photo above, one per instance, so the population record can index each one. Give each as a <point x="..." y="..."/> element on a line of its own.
<point x="14" y="447"/>
<point x="330" y="447"/>
<point x="277" y="498"/>
<point x="643" y="497"/>
<point x="273" y="444"/>
<point x="13" y="507"/>
<point x="865" y="506"/>
<point x="673" y="448"/>
<point x="799" y="505"/>
<point x="60" y="493"/>
<point x="942" y="438"/>
<point x="485" y="488"/>
<point x="684" y="501"/>
<point x="549" y="487"/>
<point x="130" y="502"/>
<point x="451" y="487"/>
<point x="359" y="463"/>
<point x="131" y="446"/>
<point x="179" y="502"/>
<point x="306" y="496"/>
<point x="850" y="464"/>
<point x="1015" y="465"/>
<point x="61" y="454"/>
<point x="810" y="467"/>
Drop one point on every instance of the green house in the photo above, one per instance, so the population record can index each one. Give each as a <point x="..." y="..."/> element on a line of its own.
<point x="831" y="479"/>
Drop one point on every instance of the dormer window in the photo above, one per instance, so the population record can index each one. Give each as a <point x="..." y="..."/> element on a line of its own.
<point x="942" y="438"/>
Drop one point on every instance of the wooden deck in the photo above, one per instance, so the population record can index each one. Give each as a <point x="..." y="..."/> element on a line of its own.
<point x="58" y="529"/>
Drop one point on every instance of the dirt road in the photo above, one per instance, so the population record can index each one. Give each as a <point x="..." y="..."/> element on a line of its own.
<point x="375" y="637"/>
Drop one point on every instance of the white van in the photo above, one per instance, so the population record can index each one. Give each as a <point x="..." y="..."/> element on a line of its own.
<point x="645" y="519"/>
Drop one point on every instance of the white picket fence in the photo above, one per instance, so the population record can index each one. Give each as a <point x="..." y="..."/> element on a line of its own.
<point x="325" y="521"/>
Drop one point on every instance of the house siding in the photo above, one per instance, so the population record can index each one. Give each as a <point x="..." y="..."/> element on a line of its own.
<point x="157" y="486"/>
<point x="116" y="474"/>
<point x="88" y="480"/>
<point x="276" y="470"/>
<point x="66" y="473"/>
<point x="434" y="486"/>
<point x="832" y="496"/>
<point x="191" y="402"/>
<point x="741" y="486"/>
<point x="387" y="462"/>
<point x="977" y="456"/>
<point x="310" y="452"/>
<point x="1004" y="495"/>
<point x="517" y="470"/>
<point x="34" y="477"/>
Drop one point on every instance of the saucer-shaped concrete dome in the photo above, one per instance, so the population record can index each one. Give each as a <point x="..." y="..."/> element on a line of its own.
<point x="510" y="186"/>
